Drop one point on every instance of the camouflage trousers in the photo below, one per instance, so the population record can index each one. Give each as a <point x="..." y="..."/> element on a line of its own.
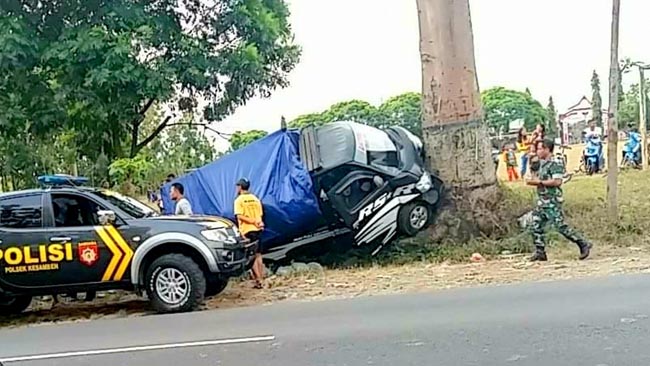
<point x="552" y="214"/>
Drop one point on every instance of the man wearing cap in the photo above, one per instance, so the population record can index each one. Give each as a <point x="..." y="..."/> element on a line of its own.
<point x="248" y="210"/>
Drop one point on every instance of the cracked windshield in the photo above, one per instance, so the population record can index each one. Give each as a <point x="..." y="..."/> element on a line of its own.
<point x="327" y="183"/>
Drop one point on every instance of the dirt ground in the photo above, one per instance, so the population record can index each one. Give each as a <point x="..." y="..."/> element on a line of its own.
<point x="372" y="281"/>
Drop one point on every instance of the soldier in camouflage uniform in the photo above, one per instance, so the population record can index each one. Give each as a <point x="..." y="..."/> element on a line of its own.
<point x="548" y="181"/>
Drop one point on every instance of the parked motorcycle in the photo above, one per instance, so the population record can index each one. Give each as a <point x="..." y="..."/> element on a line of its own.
<point x="593" y="155"/>
<point x="632" y="151"/>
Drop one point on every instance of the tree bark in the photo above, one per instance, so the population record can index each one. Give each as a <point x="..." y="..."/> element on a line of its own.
<point x="612" y="123"/>
<point x="456" y="138"/>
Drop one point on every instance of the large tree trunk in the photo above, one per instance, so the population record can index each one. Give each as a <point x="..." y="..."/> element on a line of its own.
<point x="455" y="136"/>
<point x="612" y="123"/>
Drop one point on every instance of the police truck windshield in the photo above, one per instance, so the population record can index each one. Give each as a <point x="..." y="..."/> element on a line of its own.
<point x="129" y="205"/>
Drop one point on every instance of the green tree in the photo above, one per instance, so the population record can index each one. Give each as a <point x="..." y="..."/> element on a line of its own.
<point x="240" y="139"/>
<point x="354" y="110"/>
<point x="628" y="111"/>
<point x="306" y="120"/>
<point x="97" y="67"/>
<point x="402" y="110"/>
<point x="552" y="118"/>
<point x="502" y="106"/>
<point x="596" y="100"/>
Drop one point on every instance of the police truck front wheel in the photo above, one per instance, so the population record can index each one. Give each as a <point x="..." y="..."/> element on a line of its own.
<point x="215" y="286"/>
<point x="413" y="218"/>
<point x="175" y="283"/>
<point x="11" y="305"/>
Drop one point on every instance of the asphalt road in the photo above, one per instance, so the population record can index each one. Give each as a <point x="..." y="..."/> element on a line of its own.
<point x="592" y="322"/>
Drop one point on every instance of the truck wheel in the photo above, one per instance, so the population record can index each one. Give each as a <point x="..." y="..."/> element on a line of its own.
<point x="413" y="218"/>
<point x="11" y="305"/>
<point x="215" y="286"/>
<point x="175" y="283"/>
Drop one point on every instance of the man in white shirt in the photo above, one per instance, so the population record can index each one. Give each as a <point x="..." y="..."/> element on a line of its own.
<point x="183" y="206"/>
<point x="593" y="131"/>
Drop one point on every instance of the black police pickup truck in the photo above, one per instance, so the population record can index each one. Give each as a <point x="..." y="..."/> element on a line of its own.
<point x="67" y="239"/>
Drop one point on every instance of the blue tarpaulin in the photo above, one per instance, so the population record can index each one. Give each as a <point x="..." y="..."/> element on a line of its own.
<point x="278" y="178"/>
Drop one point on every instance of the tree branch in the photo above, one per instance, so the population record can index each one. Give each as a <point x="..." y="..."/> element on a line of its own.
<point x="135" y="128"/>
<point x="152" y="136"/>
<point x="165" y="124"/>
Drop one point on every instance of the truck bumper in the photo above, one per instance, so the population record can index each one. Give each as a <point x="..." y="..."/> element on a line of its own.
<point x="236" y="262"/>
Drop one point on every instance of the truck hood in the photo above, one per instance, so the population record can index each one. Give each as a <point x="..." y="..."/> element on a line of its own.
<point x="212" y="222"/>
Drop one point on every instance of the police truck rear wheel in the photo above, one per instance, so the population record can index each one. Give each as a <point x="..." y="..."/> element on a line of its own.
<point x="413" y="218"/>
<point x="11" y="305"/>
<point x="175" y="283"/>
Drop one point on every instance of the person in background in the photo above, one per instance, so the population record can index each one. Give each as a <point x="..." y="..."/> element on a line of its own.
<point x="536" y="137"/>
<point x="183" y="206"/>
<point x="593" y="131"/>
<point x="510" y="159"/>
<point x="169" y="179"/>
<point x="523" y="147"/>
<point x="548" y="181"/>
<point x="249" y="213"/>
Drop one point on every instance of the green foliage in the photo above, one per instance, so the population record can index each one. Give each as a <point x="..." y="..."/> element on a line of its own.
<point x="96" y="67"/>
<point x="401" y="110"/>
<point x="129" y="172"/>
<point x="306" y="120"/>
<point x="596" y="100"/>
<point x="502" y="106"/>
<point x="240" y="139"/>
<point x="628" y="109"/>
<point x="552" y="118"/>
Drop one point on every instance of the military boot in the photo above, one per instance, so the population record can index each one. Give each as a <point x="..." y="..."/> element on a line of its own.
<point x="539" y="255"/>
<point x="585" y="250"/>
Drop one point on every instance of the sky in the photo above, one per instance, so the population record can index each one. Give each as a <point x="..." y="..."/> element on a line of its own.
<point x="368" y="49"/>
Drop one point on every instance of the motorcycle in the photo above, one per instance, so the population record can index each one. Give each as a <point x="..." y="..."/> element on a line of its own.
<point x="593" y="155"/>
<point x="632" y="151"/>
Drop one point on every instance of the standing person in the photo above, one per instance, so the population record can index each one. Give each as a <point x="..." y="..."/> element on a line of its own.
<point x="549" y="204"/>
<point x="538" y="135"/>
<point x="249" y="213"/>
<point x="169" y="179"/>
<point x="510" y="159"/>
<point x="523" y="147"/>
<point x="183" y="206"/>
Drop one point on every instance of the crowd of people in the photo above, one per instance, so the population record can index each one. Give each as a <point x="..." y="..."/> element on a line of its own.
<point x="526" y="146"/>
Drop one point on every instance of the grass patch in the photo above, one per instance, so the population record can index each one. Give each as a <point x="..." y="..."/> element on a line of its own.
<point x="585" y="209"/>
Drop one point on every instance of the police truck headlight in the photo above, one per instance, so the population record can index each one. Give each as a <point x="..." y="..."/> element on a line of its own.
<point x="217" y="235"/>
<point x="424" y="184"/>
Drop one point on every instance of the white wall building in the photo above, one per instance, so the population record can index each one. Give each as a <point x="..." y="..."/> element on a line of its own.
<point x="576" y="119"/>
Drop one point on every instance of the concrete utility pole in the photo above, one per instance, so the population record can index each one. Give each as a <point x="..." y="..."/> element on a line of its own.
<point x="612" y="124"/>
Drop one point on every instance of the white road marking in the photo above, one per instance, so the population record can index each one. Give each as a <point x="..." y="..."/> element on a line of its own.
<point x="107" y="351"/>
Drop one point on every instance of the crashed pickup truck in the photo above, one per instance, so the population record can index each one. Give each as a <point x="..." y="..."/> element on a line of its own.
<point x="316" y="183"/>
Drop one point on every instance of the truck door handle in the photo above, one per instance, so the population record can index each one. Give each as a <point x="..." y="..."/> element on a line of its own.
<point x="60" y="239"/>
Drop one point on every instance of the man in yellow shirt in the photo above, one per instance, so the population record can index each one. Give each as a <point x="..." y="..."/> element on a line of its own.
<point x="248" y="210"/>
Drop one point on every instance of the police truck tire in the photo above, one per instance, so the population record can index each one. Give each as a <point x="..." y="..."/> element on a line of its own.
<point x="12" y="305"/>
<point x="215" y="286"/>
<point x="175" y="283"/>
<point x="413" y="218"/>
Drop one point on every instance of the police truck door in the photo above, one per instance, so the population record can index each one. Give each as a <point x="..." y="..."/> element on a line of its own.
<point x="75" y="221"/>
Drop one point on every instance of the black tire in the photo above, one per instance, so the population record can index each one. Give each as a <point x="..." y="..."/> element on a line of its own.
<point x="413" y="218"/>
<point x="12" y="305"/>
<point x="179" y="269"/>
<point x="215" y="285"/>
<point x="591" y="169"/>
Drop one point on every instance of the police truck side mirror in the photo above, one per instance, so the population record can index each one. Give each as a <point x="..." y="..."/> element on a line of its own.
<point x="379" y="181"/>
<point x="106" y="217"/>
